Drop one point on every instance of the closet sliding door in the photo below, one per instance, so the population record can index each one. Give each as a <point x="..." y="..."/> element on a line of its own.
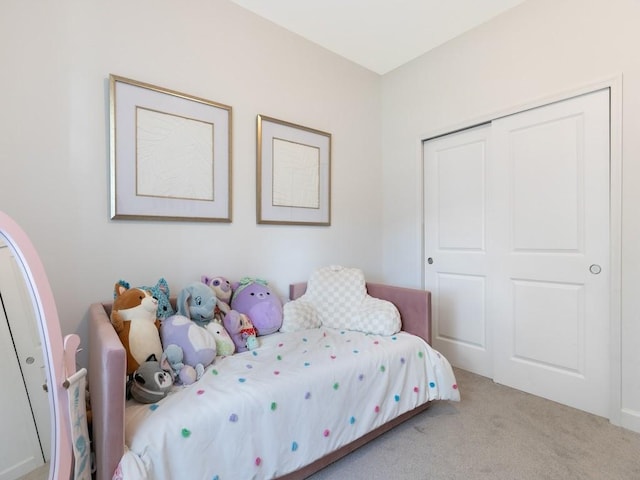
<point x="458" y="271"/>
<point x="552" y="180"/>
<point x="542" y="300"/>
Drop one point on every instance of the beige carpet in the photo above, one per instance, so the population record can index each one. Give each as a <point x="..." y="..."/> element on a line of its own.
<point x="496" y="433"/>
<point x="41" y="473"/>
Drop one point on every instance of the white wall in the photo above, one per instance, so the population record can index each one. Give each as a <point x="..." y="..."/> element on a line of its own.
<point x="54" y="138"/>
<point x="541" y="49"/>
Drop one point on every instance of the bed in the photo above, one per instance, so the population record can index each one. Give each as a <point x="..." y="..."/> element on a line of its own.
<point x="300" y="401"/>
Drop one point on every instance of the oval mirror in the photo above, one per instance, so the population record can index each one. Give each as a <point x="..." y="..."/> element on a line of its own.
<point x="35" y="428"/>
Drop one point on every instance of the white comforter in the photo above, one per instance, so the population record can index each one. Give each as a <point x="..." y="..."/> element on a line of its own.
<point x="270" y="411"/>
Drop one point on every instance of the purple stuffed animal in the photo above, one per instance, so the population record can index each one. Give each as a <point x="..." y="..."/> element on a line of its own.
<point x="254" y="298"/>
<point x="197" y="343"/>
<point x="241" y="330"/>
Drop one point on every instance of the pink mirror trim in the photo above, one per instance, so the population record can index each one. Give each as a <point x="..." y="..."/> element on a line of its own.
<point x="51" y="336"/>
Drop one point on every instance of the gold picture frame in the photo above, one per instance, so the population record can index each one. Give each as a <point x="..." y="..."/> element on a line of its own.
<point x="293" y="174"/>
<point x="170" y="154"/>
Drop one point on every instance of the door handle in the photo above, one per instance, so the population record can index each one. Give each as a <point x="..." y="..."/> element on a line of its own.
<point x="595" y="269"/>
<point x="430" y="261"/>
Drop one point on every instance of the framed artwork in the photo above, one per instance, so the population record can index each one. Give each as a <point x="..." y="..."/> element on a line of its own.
<point x="170" y="154"/>
<point x="293" y="174"/>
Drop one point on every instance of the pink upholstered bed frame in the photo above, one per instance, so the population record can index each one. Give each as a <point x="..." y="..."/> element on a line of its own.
<point x="107" y="377"/>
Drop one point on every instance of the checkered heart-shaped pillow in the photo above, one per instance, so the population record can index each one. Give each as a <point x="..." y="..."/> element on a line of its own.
<point x="337" y="297"/>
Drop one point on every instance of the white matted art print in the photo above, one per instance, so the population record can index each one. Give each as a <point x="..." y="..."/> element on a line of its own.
<point x="293" y="174"/>
<point x="296" y="174"/>
<point x="170" y="154"/>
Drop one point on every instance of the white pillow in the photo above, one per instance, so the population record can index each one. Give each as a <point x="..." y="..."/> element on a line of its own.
<point x="336" y="297"/>
<point x="299" y="315"/>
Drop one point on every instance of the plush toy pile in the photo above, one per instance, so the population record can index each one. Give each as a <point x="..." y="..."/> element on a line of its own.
<point x="213" y="317"/>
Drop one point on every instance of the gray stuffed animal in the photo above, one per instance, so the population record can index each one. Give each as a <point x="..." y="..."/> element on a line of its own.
<point x="150" y="383"/>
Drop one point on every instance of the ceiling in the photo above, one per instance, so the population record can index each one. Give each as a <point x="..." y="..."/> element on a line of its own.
<point x="380" y="35"/>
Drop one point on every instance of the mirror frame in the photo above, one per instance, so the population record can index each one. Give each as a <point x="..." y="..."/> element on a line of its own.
<point x="52" y="343"/>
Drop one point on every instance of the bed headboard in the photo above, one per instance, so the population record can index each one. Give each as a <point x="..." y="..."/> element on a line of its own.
<point x="413" y="304"/>
<point x="107" y="365"/>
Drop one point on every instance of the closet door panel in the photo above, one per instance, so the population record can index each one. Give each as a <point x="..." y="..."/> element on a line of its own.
<point x="456" y="269"/>
<point x="551" y="330"/>
<point x="547" y="186"/>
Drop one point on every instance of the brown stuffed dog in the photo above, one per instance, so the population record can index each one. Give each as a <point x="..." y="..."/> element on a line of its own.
<point x="134" y="319"/>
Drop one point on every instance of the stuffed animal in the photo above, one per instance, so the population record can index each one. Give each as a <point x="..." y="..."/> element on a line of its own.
<point x="171" y="362"/>
<point x="149" y="382"/>
<point x="242" y="331"/>
<point x="254" y="298"/>
<point x="224" y="343"/>
<point x="133" y="316"/>
<point x="197" y="343"/>
<point x="161" y="292"/>
<point x="222" y="289"/>
<point x="198" y="302"/>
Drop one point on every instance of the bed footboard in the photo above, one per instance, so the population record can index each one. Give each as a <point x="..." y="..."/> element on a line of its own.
<point x="107" y="379"/>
